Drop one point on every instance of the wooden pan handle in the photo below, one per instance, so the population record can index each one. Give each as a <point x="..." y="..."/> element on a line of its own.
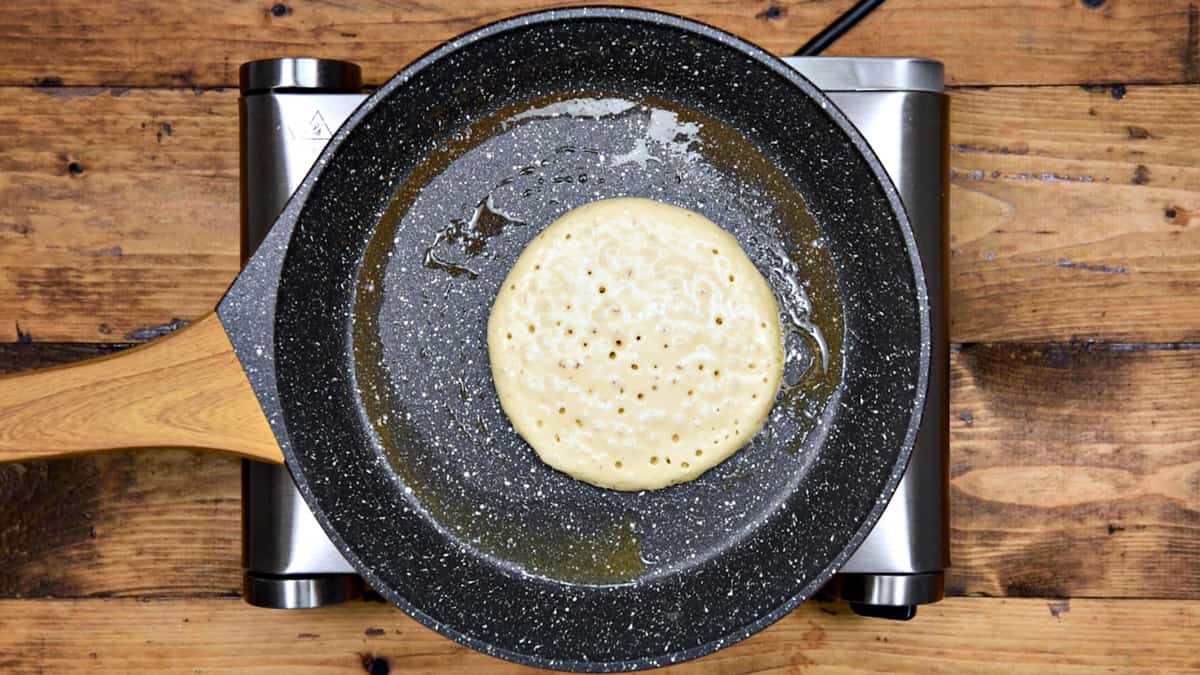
<point x="185" y="390"/>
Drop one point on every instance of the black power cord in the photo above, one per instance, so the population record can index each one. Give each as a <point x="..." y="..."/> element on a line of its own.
<point x="838" y="28"/>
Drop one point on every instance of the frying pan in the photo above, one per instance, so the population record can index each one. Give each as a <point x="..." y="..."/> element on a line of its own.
<point x="353" y="343"/>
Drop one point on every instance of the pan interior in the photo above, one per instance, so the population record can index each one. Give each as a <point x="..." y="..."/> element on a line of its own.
<point x="432" y="271"/>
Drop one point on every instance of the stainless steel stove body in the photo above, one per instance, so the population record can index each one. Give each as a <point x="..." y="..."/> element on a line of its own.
<point x="291" y="107"/>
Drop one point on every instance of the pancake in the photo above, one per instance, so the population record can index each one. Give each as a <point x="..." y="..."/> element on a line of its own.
<point x="634" y="345"/>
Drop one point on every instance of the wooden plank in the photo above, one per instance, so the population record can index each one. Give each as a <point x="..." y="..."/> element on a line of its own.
<point x="154" y="43"/>
<point x="1075" y="471"/>
<point x="1056" y="233"/>
<point x="956" y="636"/>
<point x="119" y="210"/>
<point x="1075" y="214"/>
<point x="1072" y="475"/>
<point x="163" y="523"/>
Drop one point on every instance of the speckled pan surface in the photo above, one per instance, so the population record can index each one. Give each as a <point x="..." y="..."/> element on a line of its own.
<point x="384" y="266"/>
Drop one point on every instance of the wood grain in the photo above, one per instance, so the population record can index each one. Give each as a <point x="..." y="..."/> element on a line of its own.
<point x="183" y="390"/>
<point x="148" y="43"/>
<point x="1075" y="466"/>
<point x="1072" y="475"/>
<point x="1075" y="471"/>
<point x="163" y="523"/>
<point x="119" y="210"/>
<point x="1056" y="232"/>
<point x="958" y="635"/>
<point x="1075" y="214"/>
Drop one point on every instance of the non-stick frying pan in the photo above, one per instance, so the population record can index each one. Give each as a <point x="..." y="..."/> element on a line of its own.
<point x="360" y="325"/>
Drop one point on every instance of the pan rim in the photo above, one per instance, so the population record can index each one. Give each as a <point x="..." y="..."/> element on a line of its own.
<point x="779" y="68"/>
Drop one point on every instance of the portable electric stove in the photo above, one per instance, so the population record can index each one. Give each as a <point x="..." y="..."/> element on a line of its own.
<point x="290" y="109"/>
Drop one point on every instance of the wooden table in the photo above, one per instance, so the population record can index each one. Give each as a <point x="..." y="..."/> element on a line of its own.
<point x="1075" y="267"/>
